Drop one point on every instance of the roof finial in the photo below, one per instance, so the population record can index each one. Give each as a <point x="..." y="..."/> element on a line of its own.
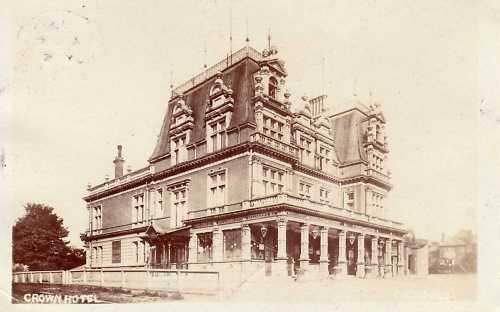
<point x="171" y="81"/>
<point x="205" y="55"/>
<point x="231" y="31"/>
<point x="323" y="75"/>
<point x="269" y="38"/>
<point x="354" y="86"/>
<point x="247" y="40"/>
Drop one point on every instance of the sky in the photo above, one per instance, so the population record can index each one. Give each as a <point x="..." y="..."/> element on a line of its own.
<point x="80" y="77"/>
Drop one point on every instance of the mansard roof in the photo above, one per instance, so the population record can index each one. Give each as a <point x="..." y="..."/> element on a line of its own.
<point x="348" y="129"/>
<point x="238" y="77"/>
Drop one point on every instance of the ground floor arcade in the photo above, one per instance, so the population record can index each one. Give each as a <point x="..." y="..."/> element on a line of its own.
<point x="285" y="242"/>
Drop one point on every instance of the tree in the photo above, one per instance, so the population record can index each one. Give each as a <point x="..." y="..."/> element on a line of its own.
<point x="38" y="240"/>
<point x="465" y="236"/>
<point x="469" y="260"/>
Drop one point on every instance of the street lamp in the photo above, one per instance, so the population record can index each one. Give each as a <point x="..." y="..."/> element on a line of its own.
<point x="263" y="231"/>
<point x="351" y="239"/>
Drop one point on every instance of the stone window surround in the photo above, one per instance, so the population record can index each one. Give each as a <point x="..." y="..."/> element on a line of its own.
<point x="97" y="256"/>
<point x="216" y="202"/>
<point x="96" y="218"/>
<point x="139" y="208"/>
<point x="324" y="195"/>
<point x="305" y="188"/>
<point x="179" y="192"/>
<point x="159" y="208"/>
<point x="178" y="148"/>
<point x="324" y="156"/>
<point x="278" y="180"/>
<point x="220" y="133"/>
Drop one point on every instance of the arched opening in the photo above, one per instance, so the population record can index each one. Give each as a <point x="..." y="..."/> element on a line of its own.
<point x="273" y="87"/>
<point x="378" y="134"/>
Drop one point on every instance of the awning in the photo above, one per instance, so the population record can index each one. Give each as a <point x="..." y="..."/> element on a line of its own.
<point x="153" y="232"/>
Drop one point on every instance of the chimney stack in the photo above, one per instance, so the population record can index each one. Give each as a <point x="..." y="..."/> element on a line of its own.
<point x="119" y="163"/>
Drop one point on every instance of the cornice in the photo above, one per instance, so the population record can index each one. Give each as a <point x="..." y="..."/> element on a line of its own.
<point x="288" y="207"/>
<point x="87" y="238"/>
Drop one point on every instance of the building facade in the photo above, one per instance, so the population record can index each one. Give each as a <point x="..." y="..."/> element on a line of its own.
<point x="241" y="178"/>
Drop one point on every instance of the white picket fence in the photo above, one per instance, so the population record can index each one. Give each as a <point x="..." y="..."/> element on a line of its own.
<point x="154" y="279"/>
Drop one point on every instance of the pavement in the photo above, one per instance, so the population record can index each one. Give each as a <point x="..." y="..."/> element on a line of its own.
<point x="442" y="287"/>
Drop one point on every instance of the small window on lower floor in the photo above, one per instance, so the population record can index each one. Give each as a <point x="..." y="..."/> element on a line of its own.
<point x="204" y="247"/>
<point x="116" y="252"/>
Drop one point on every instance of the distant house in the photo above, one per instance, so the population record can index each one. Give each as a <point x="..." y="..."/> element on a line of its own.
<point x="452" y="255"/>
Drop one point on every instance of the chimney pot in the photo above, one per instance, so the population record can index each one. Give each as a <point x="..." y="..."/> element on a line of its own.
<point x="119" y="147"/>
<point x="119" y="163"/>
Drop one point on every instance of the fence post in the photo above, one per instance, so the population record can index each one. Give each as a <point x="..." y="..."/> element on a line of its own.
<point x="84" y="276"/>
<point x="70" y="277"/>
<point x="102" y="277"/>
<point x="51" y="278"/>
<point x="123" y="278"/>
<point x="218" y="280"/>
<point x="178" y="281"/>
<point x="148" y="279"/>
<point x="40" y="277"/>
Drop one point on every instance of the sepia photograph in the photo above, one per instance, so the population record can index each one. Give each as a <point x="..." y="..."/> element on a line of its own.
<point x="236" y="152"/>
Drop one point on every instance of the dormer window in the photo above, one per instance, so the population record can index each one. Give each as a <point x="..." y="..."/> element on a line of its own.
<point x="179" y="151"/>
<point x="218" y="135"/>
<point x="272" y="128"/>
<point x="324" y="160"/>
<point x="378" y="134"/>
<point x="273" y="87"/>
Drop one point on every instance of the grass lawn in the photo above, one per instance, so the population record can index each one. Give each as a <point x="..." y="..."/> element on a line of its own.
<point x="23" y="293"/>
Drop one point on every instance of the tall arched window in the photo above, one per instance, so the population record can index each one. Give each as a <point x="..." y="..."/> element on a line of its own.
<point x="273" y="87"/>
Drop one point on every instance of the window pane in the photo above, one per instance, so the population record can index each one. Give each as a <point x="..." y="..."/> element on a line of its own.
<point x="222" y="177"/>
<point x="116" y="251"/>
<point x="222" y="139"/>
<point x="214" y="142"/>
